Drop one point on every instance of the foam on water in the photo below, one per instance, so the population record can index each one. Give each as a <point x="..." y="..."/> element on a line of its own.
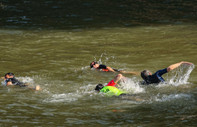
<point x="164" y="97"/>
<point x="71" y="96"/>
<point x="64" y="97"/>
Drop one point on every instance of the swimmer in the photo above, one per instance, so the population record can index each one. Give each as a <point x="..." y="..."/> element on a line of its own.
<point x="150" y="78"/>
<point x="112" y="87"/>
<point x="105" y="68"/>
<point x="10" y="79"/>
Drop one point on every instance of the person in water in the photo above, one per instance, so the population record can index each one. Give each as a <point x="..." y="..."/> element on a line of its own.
<point x="156" y="78"/>
<point x="112" y="87"/>
<point x="105" y="68"/>
<point x="102" y="67"/>
<point x="10" y="79"/>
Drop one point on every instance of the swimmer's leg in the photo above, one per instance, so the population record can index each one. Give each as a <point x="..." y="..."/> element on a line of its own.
<point x="130" y="72"/>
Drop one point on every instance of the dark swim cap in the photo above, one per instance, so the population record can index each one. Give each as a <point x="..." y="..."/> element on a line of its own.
<point x="99" y="87"/>
<point x="92" y="63"/>
<point x="145" y="75"/>
<point x="10" y="74"/>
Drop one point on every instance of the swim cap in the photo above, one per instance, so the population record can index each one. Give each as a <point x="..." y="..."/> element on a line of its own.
<point x="145" y="74"/>
<point x="9" y="73"/>
<point x="99" y="87"/>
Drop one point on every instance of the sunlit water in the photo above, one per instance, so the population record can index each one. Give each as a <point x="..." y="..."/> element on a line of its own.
<point x="58" y="61"/>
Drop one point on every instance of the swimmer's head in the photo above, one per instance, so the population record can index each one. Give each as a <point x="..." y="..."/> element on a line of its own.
<point x="145" y="74"/>
<point x="92" y="64"/>
<point x="9" y="75"/>
<point x="99" y="87"/>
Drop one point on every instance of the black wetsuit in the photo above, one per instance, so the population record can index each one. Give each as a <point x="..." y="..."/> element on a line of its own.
<point x="15" y="82"/>
<point x="104" y="68"/>
<point x="156" y="77"/>
<point x="101" y="66"/>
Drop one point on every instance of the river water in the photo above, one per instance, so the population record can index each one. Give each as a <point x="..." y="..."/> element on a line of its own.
<point x="58" y="60"/>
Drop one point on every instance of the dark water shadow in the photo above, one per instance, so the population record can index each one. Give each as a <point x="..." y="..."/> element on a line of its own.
<point x="76" y="14"/>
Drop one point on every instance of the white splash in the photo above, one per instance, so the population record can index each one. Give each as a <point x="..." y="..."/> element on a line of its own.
<point x="131" y="85"/>
<point x="104" y="56"/>
<point x="182" y="75"/>
<point x="26" y="79"/>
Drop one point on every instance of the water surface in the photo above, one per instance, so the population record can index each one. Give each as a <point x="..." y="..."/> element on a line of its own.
<point x="58" y="61"/>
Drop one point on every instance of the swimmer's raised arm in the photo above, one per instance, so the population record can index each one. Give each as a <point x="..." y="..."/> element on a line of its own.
<point x="173" y="66"/>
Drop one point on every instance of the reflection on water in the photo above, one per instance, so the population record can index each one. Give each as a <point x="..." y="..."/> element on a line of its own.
<point x="75" y="14"/>
<point x="58" y="61"/>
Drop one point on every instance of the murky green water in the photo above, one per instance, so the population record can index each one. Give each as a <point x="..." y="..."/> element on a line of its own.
<point x="53" y="45"/>
<point x="58" y="60"/>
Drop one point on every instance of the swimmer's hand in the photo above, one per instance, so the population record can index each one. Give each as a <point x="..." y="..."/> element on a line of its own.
<point x="37" y="88"/>
<point x="188" y="63"/>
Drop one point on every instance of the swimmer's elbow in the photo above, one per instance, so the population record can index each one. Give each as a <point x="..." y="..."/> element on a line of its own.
<point x="169" y="69"/>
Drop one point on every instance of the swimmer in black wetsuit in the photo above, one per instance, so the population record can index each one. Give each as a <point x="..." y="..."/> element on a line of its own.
<point x="102" y="67"/>
<point x="11" y="80"/>
<point x="150" y="78"/>
<point x="105" y="68"/>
